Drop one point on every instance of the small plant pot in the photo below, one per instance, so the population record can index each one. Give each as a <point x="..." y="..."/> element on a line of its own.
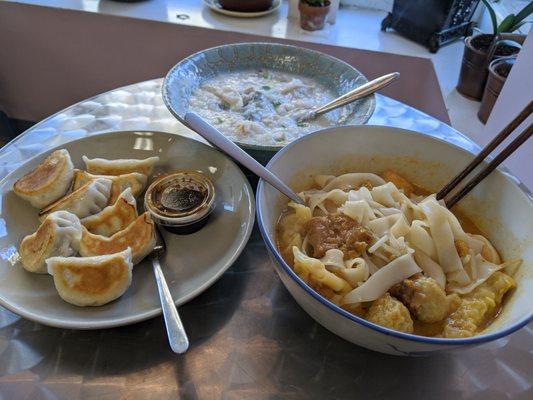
<point x="498" y="72"/>
<point x="313" y="18"/>
<point x="474" y="71"/>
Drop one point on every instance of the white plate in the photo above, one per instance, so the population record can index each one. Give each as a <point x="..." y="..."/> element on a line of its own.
<point x="192" y="262"/>
<point x="215" y="6"/>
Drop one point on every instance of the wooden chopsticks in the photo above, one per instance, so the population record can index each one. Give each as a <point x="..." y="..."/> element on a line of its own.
<point x="491" y="166"/>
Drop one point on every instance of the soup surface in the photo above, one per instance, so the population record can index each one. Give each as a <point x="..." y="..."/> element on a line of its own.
<point x="383" y="250"/>
<point x="264" y="106"/>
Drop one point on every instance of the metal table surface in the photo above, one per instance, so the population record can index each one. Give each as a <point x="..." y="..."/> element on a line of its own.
<point x="249" y="338"/>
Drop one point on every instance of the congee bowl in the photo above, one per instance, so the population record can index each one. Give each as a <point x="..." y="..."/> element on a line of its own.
<point x="189" y="74"/>
<point x="500" y="206"/>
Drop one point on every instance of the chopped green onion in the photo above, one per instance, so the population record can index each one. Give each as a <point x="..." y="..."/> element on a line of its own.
<point x="301" y="124"/>
<point x="219" y="120"/>
<point x="266" y="87"/>
<point x="276" y="104"/>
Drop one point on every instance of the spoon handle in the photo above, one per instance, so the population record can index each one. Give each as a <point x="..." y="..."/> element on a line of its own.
<point x="359" y="92"/>
<point x="215" y="137"/>
<point x="177" y="337"/>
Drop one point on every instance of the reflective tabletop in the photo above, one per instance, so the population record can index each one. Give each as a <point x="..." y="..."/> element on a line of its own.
<point x="249" y="338"/>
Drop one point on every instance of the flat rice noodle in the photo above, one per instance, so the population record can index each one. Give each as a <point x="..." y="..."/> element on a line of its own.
<point x="400" y="228"/>
<point x="385" y="195"/>
<point x="380" y="226"/>
<point x="418" y="237"/>
<point x="317" y="270"/>
<point x="372" y="267"/>
<point x="317" y="199"/>
<point x="353" y="180"/>
<point x="358" y="210"/>
<point x="364" y="194"/>
<point x="459" y="277"/>
<point x="357" y="273"/>
<point x="430" y="267"/>
<point x="382" y="280"/>
<point x="386" y="211"/>
<point x="334" y="259"/>
<point x="484" y="269"/>
<point x="494" y="257"/>
<point x="442" y="235"/>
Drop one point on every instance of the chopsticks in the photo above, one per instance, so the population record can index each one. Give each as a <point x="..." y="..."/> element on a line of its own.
<point x="493" y="164"/>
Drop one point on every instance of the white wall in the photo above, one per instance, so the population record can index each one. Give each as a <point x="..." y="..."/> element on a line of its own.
<point x="515" y="95"/>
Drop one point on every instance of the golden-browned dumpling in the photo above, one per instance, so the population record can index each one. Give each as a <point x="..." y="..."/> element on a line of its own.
<point x="58" y="235"/>
<point x="87" y="200"/>
<point x="113" y="218"/>
<point x="390" y="313"/>
<point x="424" y="298"/>
<point x="91" y="281"/>
<point x="139" y="236"/>
<point x="101" y="166"/>
<point x="477" y="305"/>
<point x="134" y="180"/>
<point x="48" y="182"/>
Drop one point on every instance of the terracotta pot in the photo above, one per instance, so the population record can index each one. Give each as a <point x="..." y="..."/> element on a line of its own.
<point x="474" y="71"/>
<point x="498" y="71"/>
<point x="313" y="18"/>
<point x="246" y="5"/>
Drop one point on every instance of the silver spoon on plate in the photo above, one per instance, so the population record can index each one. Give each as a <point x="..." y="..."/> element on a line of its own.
<point x="177" y="337"/>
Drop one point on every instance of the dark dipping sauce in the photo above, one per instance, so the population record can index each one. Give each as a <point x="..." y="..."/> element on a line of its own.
<point x="181" y="202"/>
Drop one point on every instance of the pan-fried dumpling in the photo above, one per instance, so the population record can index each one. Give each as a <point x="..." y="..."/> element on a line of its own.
<point x="87" y="200"/>
<point x="91" y="281"/>
<point x="101" y="166"/>
<point x="139" y="236"/>
<point x="48" y="182"/>
<point x="58" y="235"/>
<point x="113" y="218"/>
<point x="135" y="181"/>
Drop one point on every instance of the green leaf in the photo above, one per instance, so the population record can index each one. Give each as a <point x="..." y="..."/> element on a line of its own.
<point x="492" y="14"/>
<point x="523" y="14"/>
<point x="506" y="24"/>
<point x="521" y="24"/>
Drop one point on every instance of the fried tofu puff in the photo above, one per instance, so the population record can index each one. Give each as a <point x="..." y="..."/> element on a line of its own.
<point x="390" y="313"/>
<point x="423" y="297"/>
<point x="477" y="306"/>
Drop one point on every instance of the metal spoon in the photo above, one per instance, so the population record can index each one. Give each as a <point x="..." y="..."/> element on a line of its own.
<point x="356" y="94"/>
<point x="217" y="138"/>
<point x="177" y="337"/>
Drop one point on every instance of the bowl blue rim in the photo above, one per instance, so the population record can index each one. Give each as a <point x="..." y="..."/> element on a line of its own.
<point x="251" y="146"/>
<point x="333" y="307"/>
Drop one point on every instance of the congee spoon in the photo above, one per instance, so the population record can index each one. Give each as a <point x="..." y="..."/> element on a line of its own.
<point x="356" y="94"/>
<point x="217" y="138"/>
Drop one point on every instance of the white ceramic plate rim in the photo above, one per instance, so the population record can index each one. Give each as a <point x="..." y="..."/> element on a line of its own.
<point x="215" y="6"/>
<point x="333" y="307"/>
<point x="128" y="320"/>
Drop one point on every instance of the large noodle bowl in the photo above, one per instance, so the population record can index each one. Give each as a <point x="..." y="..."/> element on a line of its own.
<point x="387" y="252"/>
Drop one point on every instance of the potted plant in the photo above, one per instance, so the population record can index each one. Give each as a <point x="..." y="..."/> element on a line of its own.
<point x="482" y="48"/>
<point x="498" y="71"/>
<point x="313" y="14"/>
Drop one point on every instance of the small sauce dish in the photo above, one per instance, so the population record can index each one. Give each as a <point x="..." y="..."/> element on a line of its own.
<point x="181" y="201"/>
